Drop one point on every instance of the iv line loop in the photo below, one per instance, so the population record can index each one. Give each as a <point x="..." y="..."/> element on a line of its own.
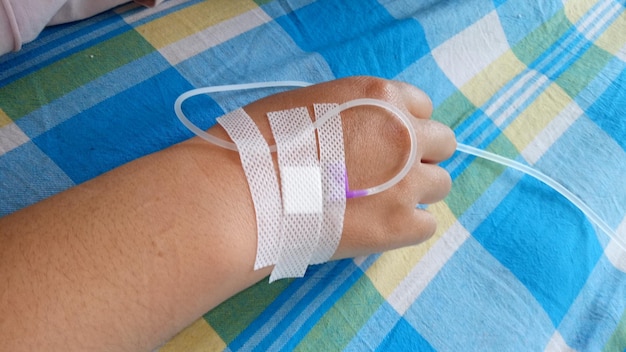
<point x="178" y="104"/>
<point x="316" y="124"/>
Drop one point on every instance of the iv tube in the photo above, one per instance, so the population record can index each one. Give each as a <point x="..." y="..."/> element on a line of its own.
<point x="591" y="215"/>
<point x="225" y="88"/>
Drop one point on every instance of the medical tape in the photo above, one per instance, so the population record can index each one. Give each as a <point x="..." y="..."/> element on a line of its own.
<point x="301" y="185"/>
<point x="333" y="165"/>
<point x="259" y="170"/>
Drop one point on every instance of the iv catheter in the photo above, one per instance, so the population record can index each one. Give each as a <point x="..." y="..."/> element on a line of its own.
<point x="587" y="211"/>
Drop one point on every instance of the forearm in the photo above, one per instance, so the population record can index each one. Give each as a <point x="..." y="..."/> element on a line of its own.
<point x="128" y="253"/>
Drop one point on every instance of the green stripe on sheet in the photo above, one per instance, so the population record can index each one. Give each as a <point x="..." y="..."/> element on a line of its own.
<point x="617" y="342"/>
<point x="538" y="41"/>
<point x="51" y="82"/>
<point x="454" y="110"/>
<point x="344" y="319"/>
<point x="583" y="71"/>
<point x="230" y="318"/>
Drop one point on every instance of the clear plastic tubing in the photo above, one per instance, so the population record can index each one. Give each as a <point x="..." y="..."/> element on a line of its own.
<point x="178" y="106"/>
<point x="591" y="215"/>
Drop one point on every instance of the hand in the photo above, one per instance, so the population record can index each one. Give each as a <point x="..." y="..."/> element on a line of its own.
<point x="377" y="145"/>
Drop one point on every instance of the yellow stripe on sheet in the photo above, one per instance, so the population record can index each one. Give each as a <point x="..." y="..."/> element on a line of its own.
<point x="486" y="83"/>
<point x="183" y="23"/>
<point x="199" y="337"/>
<point x="212" y="36"/>
<point x="4" y="119"/>
<point x="537" y="116"/>
<point x="575" y="10"/>
<point x="11" y="136"/>
<point x="613" y="39"/>
<point x="393" y="266"/>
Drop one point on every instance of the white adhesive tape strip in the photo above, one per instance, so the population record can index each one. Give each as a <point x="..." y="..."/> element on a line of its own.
<point x="333" y="164"/>
<point x="301" y="189"/>
<point x="259" y="169"/>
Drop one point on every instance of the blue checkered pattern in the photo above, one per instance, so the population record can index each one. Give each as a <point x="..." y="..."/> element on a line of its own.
<point x="513" y="266"/>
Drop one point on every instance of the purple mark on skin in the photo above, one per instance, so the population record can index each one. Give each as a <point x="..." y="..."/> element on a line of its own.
<point x="350" y="193"/>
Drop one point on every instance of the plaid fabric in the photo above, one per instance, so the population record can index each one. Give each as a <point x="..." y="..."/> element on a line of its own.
<point x="513" y="266"/>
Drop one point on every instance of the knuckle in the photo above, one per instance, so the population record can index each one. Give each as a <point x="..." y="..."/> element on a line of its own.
<point x="446" y="182"/>
<point x="441" y="185"/>
<point x="443" y="136"/>
<point x="395" y="221"/>
<point x="450" y="147"/>
<point x="379" y="88"/>
<point x="428" y="104"/>
<point x="429" y="227"/>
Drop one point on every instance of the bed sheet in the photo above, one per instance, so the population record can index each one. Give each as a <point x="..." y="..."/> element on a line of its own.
<point x="513" y="265"/>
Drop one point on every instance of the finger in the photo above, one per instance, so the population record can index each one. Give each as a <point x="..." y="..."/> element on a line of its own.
<point x="426" y="225"/>
<point x="417" y="102"/>
<point x="416" y="226"/>
<point x="436" y="141"/>
<point x="425" y="184"/>
<point x="439" y="184"/>
<point x="404" y="227"/>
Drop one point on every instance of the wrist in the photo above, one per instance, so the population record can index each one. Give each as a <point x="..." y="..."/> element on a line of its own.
<point x="222" y="216"/>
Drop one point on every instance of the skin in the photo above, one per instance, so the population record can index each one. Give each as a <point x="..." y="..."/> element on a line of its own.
<point x="126" y="260"/>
